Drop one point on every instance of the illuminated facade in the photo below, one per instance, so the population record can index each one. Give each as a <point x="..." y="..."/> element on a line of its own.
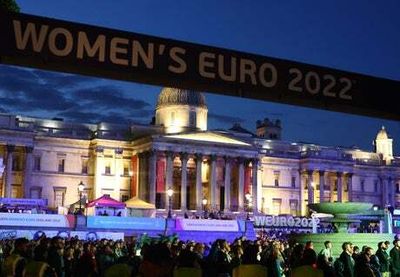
<point x="233" y="170"/>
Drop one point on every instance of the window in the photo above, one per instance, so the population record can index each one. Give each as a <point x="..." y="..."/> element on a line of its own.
<point x="16" y="163"/>
<point x="59" y="197"/>
<point x="126" y="169"/>
<point x="36" y="193"/>
<point x="293" y="181"/>
<point x="85" y="168"/>
<point x="192" y="118"/>
<point x="293" y="207"/>
<point x="107" y="168"/>
<point x="15" y="191"/>
<point x="276" y="206"/>
<point x="172" y="118"/>
<point x="124" y="197"/>
<point x="61" y="164"/>
<point x="276" y="178"/>
<point x="36" y="163"/>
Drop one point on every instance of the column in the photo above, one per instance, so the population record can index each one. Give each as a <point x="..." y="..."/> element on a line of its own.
<point x="254" y="185"/>
<point x="301" y="193"/>
<point x="310" y="187"/>
<point x="227" y="183"/>
<point x="339" y="187"/>
<point x="213" y="182"/>
<point x="168" y="177"/>
<point x="321" y="186"/>
<point x="393" y="192"/>
<point x="383" y="191"/>
<point x="184" y="161"/>
<point x="350" y="186"/>
<point x="118" y="165"/>
<point x="241" y="185"/>
<point x="28" y="171"/>
<point x="199" y="184"/>
<point x="142" y="175"/>
<point x="152" y="176"/>
<point x="99" y="167"/>
<point x="9" y="177"/>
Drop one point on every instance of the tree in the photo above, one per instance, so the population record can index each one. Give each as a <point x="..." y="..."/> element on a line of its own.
<point x="9" y="5"/>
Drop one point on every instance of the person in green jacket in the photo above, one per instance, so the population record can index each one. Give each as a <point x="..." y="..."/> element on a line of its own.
<point x="384" y="259"/>
<point x="395" y="258"/>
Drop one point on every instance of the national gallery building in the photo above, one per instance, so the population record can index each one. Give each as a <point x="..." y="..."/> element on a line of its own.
<point x="234" y="170"/>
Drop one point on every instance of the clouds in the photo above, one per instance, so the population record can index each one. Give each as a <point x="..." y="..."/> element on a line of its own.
<point x="226" y="119"/>
<point x="74" y="97"/>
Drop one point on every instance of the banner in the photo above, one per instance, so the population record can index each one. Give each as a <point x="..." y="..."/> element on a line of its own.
<point x="82" y="235"/>
<point x="24" y="202"/>
<point x="126" y="223"/>
<point x="59" y="45"/>
<point x="37" y="220"/>
<point x="209" y="225"/>
<point x="134" y="175"/>
<point x="160" y="185"/>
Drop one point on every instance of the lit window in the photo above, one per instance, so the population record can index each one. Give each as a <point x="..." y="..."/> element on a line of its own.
<point x="293" y="207"/>
<point x="107" y="169"/>
<point x="276" y="206"/>
<point x="85" y="168"/>
<point x="59" y="198"/>
<point x="15" y="191"/>
<point x="276" y="178"/>
<point x="172" y="118"/>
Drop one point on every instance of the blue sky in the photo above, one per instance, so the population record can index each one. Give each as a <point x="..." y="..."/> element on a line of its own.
<point x="358" y="36"/>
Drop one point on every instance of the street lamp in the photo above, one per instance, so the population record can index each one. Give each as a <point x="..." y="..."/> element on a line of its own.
<point x="81" y="187"/>
<point x="204" y="202"/>
<point x="249" y="204"/>
<point x="170" y="192"/>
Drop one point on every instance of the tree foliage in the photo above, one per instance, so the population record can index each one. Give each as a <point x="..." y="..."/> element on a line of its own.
<point x="9" y="5"/>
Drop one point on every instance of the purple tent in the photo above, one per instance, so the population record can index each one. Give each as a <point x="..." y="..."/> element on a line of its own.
<point x="107" y="202"/>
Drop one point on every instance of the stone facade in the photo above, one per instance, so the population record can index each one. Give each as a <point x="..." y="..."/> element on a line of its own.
<point x="233" y="171"/>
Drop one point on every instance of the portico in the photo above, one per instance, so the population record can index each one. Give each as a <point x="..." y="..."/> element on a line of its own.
<point x="207" y="166"/>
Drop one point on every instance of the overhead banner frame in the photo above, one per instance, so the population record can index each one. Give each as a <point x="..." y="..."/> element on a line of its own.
<point x="57" y="45"/>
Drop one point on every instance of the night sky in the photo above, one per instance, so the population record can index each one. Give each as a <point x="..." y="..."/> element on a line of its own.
<point x="359" y="36"/>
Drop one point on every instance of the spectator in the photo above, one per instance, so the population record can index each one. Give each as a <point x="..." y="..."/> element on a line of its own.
<point x="384" y="259"/>
<point x="347" y="260"/>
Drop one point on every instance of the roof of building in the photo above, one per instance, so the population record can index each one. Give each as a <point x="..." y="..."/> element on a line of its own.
<point x="176" y="96"/>
<point x="382" y="134"/>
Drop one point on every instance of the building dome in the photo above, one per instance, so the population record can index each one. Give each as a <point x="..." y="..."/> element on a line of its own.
<point x="176" y="96"/>
<point x="180" y="110"/>
<point x="382" y="134"/>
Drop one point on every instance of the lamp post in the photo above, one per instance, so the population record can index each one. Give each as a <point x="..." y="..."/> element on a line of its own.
<point x="249" y="203"/>
<point x="170" y="192"/>
<point x="204" y="202"/>
<point x="81" y="187"/>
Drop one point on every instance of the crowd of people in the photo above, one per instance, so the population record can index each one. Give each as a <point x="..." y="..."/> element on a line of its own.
<point x="168" y="256"/>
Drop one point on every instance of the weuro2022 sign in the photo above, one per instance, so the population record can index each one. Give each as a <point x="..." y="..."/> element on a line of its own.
<point x="77" y="48"/>
<point x="285" y="222"/>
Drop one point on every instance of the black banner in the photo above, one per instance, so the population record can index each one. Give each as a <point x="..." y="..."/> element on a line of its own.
<point x="51" y="44"/>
